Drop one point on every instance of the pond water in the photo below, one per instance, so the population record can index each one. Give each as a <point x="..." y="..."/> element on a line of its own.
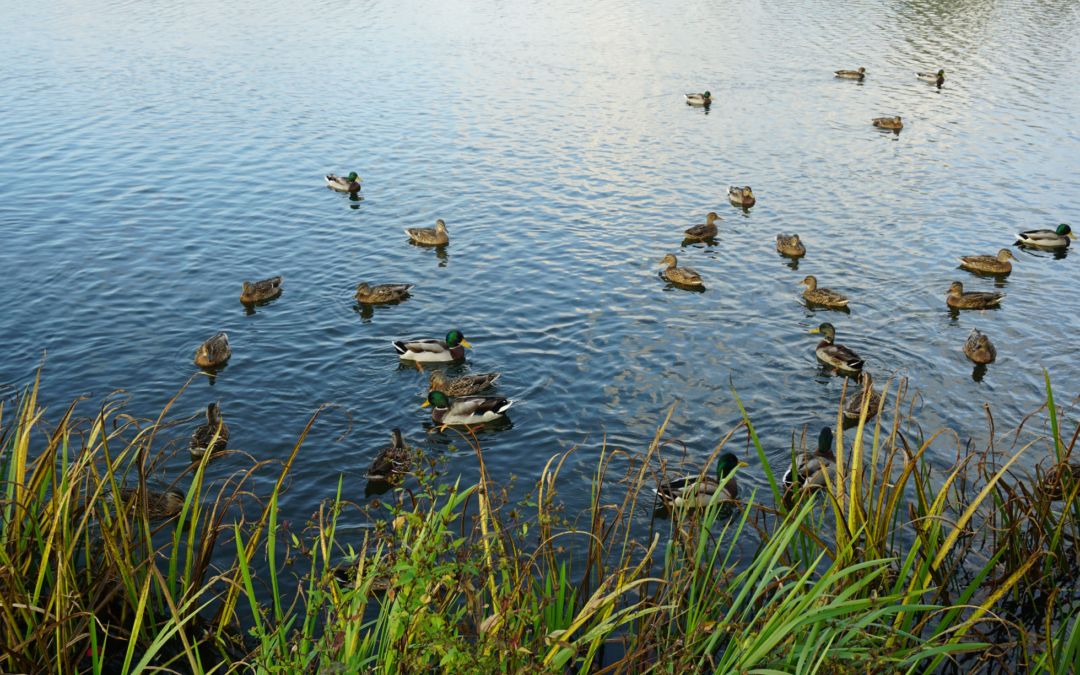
<point x="154" y="156"/>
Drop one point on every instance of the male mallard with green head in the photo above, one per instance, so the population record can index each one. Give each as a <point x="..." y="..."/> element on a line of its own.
<point x="789" y="244"/>
<point x="978" y="347"/>
<point x="853" y="407"/>
<point x="741" y="196"/>
<point x="821" y="296"/>
<point x="679" y="275"/>
<point x="368" y="295"/>
<point x="972" y="299"/>
<point x="204" y="433"/>
<point x="428" y="350"/>
<point x="837" y="356"/>
<point x="466" y="410"/>
<point x="697" y="491"/>
<point x="706" y="230"/>
<point x="213" y="352"/>
<point x="808" y="470"/>
<point x="852" y="74"/>
<point x="348" y="184"/>
<point x="429" y="236"/>
<point x="159" y="505"/>
<point x="392" y="460"/>
<point x="893" y="123"/>
<point x="937" y="78"/>
<point x="699" y="99"/>
<point x="1047" y="238"/>
<point x="463" y="385"/>
<point x="261" y="290"/>
<point x="988" y="263"/>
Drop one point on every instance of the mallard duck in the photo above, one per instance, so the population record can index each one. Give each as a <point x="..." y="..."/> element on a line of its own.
<point x="988" y="263"/>
<point x="853" y="408"/>
<point x="200" y="438"/>
<point x="348" y="184"/>
<point x="367" y="294"/>
<point x="345" y="575"/>
<point x="808" y="470"/>
<point x="852" y="74"/>
<point x="1047" y="238"/>
<point x="428" y="350"/>
<point x="893" y="123"/>
<point x="705" y="231"/>
<point x="679" y="275"/>
<point x="978" y="347"/>
<point x="790" y="244"/>
<point x="466" y="410"/>
<point x="699" y="99"/>
<point x="697" y="491"/>
<point x="213" y="352"/>
<point x="837" y="356"/>
<point x="973" y="299"/>
<point x="937" y="78"/>
<point x="464" y="385"/>
<point x="159" y="505"/>
<point x="821" y="296"/>
<point x="394" y="459"/>
<point x="429" y="236"/>
<point x="1059" y="481"/>
<point x="261" y="290"/>
<point x="741" y="196"/>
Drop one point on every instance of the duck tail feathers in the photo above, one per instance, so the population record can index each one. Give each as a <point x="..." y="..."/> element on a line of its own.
<point x="400" y="347"/>
<point x="505" y="406"/>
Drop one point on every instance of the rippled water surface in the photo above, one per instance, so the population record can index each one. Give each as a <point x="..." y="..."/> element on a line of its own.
<point x="155" y="155"/>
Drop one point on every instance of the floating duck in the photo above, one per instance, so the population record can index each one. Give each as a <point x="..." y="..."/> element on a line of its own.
<point x="368" y="294"/>
<point x="937" y="78"/>
<point x="430" y="350"/>
<point x="466" y="410"/>
<point x="808" y="470"/>
<point x="853" y="409"/>
<point x="348" y="184"/>
<point x="697" y="491"/>
<point x="679" y="275"/>
<point x="261" y="290"/>
<point x="706" y="230"/>
<point x="989" y="263"/>
<point x="978" y="347"/>
<point x="821" y="296"/>
<point x="204" y="433"/>
<point x="1047" y="238"/>
<point x="972" y="299"/>
<point x="464" y="385"/>
<point x="893" y="123"/>
<point x="429" y="236"/>
<point x="159" y="505"/>
<point x="789" y="244"/>
<point x="852" y="74"/>
<point x="699" y="99"/>
<point x="837" y="356"/>
<point x="393" y="460"/>
<point x="741" y="196"/>
<point x="213" y="352"/>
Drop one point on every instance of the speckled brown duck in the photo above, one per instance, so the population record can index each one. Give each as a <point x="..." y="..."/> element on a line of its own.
<point x="368" y="294"/>
<point x="463" y="385"/>
<point x="998" y="264"/>
<point x="159" y="505"/>
<point x="821" y="296"/>
<point x="679" y="275"/>
<point x="706" y="230"/>
<point x="790" y="244"/>
<point x="972" y="299"/>
<point x="204" y="433"/>
<point x="429" y="236"/>
<point x="213" y="352"/>
<point x="261" y="290"/>
<point x="978" y="347"/>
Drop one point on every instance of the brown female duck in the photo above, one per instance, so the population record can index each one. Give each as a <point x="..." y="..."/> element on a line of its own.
<point x="973" y="299"/>
<point x="393" y="460"/>
<point x="204" y="433"/>
<point x="705" y="230"/>
<point x="159" y="505"/>
<point x="978" y="347"/>
<point x="464" y="385"/>
<point x="893" y="123"/>
<point x="988" y="263"/>
<point x="261" y="290"/>
<point x="853" y="407"/>
<point x="429" y="236"/>
<point x="679" y="275"/>
<point x="821" y="296"/>
<point x="213" y="352"/>
<point x="852" y="74"/>
<point x="367" y="294"/>
<point x="789" y="244"/>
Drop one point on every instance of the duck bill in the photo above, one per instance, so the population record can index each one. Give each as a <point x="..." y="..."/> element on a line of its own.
<point x="466" y="343"/>
<point x="816" y="330"/>
<point x="425" y="404"/>
<point x="1072" y="235"/>
<point x="801" y="283"/>
<point x="743" y="464"/>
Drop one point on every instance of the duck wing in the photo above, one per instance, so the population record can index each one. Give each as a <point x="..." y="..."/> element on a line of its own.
<point x="479" y="406"/>
<point x="421" y="346"/>
<point x="825" y="296"/>
<point x="268" y="284"/>
<point x="842" y="354"/>
<point x="701" y="231"/>
<point x="468" y="384"/>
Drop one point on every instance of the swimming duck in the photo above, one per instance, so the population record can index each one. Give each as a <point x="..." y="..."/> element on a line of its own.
<point x="853" y="409"/>
<point x="679" y="275"/>
<point x="261" y="290"/>
<point x="699" y="99"/>
<point x="697" y="491"/>
<point x="393" y="460"/>
<point x="428" y="350"/>
<point x="429" y="236"/>
<point x="741" y="196"/>
<point x="159" y="505"/>
<point x="705" y="231"/>
<point x="808" y="470"/>
<point x="837" y="356"/>
<point x="213" y="352"/>
<point x="200" y="438"/>
<point x="790" y="244"/>
<point x="989" y="263"/>
<point x="1060" y="480"/>
<point x="367" y="294"/>
<point x="821" y="296"/>
<point x="348" y="184"/>
<point x="1047" y="238"/>
<point x="464" y="385"/>
<point x="978" y="347"/>
<point x="345" y="575"/>
<point x="893" y="123"/>
<point x="937" y="78"/>
<point x="852" y="74"/>
<point x="973" y="299"/>
<point x="466" y="410"/>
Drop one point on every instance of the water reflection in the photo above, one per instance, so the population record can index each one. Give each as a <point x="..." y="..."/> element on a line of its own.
<point x="792" y="260"/>
<point x="250" y="307"/>
<point x="355" y="197"/>
<point x="673" y="285"/>
<point x="979" y="372"/>
<point x="366" y="310"/>
<point x="213" y="372"/>
<point x="816" y="308"/>
<point x="448" y="436"/>
<point x="954" y="312"/>
<point x="1056" y="252"/>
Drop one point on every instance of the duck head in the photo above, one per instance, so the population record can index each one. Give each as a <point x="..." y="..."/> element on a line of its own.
<point x="712" y="217"/>
<point x="455" y="338"/>
<point x="438" y="379"/>
<point x="440" y="226"/>
<point x="1064" y="230"/>
<point x="810" y="281"/>
<point x="1005" y="254"/>
<point x="438" y="399"/>
<point x="862" y="71"/>
<point x="353" y="178"/>
<point x="829" y="332"/>
<point x="726" y="463"/>
<point x="825" y="442"/>
<point x="363" y="288"/>
<point x="956" y="290"/>
<point x="669" y="260"/>
<point x="398" y="439"/>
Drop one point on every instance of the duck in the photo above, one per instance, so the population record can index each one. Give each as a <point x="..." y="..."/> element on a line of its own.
<point x="1059" y="481"/>
<point x="348" y="184"/>
<point x="837" y="356"/>
<point x="213" y="352"/>
<point x="392" y="460"/>
<point x="790" y="244"/>
<point x="159" y="505"/>
<point x="699" y="99"/>
<point x="972" y="299"/>
<point x="464" y="385"/>
<point x="697" y="491"/>
<point x="429" y="236"/>
<point x="430" y="350"/>
<point x="1047" y="238"/>
<point x="853" y="409"/>
<point x="989" y="263"/>
<point x="852" y="74"/>
<point x="201" y="437"/>
<point x="978" y="347"/>
<point x="937" y="78"/>
<point x="741" y="196"/>
<point x="467" y="409"/>
<point x="345" y="576"/>
<point x="261" y="290"/>
<point x="679" y="275"/>
<point x="821" y="296"/>
<point x="808" y="470"/>
<point x="893" y="123"/>
<point x="368" y="294"/>
<point x="705" y="231"/>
